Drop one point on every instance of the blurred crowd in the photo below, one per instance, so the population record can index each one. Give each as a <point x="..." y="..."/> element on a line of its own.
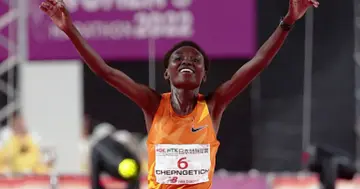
<point x="20" y="149"/>
<point x="22" y="152"/>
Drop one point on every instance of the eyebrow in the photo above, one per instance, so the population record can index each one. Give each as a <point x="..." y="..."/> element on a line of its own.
<point x="196" y="53"/>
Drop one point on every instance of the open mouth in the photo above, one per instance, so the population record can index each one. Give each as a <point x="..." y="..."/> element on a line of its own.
<point x="186" y="70"/>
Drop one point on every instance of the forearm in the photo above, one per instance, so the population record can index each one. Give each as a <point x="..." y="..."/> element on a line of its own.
<point x="263" y="56"/>
<point x="140" y="94"/>
<point x="88" y="54"/>
<point x="231" y="88"/>
<point x="270" y="48"/>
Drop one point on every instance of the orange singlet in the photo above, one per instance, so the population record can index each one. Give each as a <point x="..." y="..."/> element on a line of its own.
<point x="182" y="149"/>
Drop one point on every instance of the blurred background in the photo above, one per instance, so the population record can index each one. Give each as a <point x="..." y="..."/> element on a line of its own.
<point x="53" y="103"/>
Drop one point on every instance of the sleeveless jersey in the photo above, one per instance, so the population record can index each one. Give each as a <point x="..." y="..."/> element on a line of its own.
<point x="181" y="149"/>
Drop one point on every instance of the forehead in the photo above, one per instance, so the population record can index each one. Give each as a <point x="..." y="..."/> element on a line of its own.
<point x="187" y="50"/>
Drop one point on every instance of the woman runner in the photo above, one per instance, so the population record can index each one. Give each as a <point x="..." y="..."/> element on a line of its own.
<point x="182" y="125"/>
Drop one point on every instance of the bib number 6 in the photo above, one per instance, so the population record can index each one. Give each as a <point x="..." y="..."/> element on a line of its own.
<point x="182" y="164"/>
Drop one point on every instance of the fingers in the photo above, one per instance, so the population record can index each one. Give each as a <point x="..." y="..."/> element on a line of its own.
<point x="61" y="6"/>
<point x="52" y="2"/>
<point x="314" y="3"/>
<point x="49" y="5"/>
<point x="45" y="6"/>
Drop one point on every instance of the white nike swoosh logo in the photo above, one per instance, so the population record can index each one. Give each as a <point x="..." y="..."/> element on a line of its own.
<point x="197" y="129"/>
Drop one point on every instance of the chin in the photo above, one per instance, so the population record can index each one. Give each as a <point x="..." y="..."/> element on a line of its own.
<point x="186" y="85"/>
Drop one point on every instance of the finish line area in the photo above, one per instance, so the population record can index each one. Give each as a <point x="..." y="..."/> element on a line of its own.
<point x="249" y="181"/>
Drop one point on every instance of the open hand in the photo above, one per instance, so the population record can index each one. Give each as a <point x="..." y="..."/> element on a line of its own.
<point x="297" y="8"/>
<point x="56" y="10"/>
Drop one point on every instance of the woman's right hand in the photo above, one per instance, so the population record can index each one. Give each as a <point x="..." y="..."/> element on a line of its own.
<point x="58" y="13"/>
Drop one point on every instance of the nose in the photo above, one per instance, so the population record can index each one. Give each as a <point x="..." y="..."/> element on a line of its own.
<point x="187" y="61"/>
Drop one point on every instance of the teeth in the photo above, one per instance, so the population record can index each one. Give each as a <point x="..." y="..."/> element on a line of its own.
<point x="186" y="70"/>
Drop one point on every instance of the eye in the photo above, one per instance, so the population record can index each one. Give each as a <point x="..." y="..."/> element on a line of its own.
<point x="178" y="58"/>
<point x="197" y="59"/>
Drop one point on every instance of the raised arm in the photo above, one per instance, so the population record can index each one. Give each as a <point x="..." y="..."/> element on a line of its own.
<point x="226" y="92"/>
<point x="142" y="95"/>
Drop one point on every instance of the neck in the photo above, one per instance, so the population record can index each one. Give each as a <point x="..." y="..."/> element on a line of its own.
<point x="183" y="101"/>
<point x="20" y="134"/>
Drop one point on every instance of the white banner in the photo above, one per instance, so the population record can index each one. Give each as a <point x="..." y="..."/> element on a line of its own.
<point x="52" y="104"/>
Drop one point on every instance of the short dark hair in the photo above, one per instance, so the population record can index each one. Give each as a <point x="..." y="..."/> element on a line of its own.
<point x="186" y="43"/>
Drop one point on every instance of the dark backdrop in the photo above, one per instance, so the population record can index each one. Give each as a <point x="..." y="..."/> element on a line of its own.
<point x="277" y="123"/>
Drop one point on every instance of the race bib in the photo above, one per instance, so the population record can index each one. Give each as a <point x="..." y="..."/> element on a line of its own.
<point x="182" y="164"/>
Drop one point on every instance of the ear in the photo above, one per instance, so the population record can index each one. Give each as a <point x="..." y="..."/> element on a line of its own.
<point x="166" y="75"/>
<point x="204" y="78"/>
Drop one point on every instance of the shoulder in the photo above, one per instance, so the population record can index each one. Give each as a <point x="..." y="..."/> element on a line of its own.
<point x="156" y="103"/>
<point x="215" y="109"/>
<point x="202" y="97"/>
<point x="165" y="98"/>
<point x="164" y="101"/>
<point x="166" y="95"/>
<point x="209" y="100"/>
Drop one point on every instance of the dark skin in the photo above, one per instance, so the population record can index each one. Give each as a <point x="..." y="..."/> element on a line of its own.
<point x="184" y="86"/>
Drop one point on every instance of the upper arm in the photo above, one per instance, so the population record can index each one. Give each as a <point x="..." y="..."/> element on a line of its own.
<point x="231" y="88"/>
<point x="228" y="90"/>
<point x="141" y="94"/>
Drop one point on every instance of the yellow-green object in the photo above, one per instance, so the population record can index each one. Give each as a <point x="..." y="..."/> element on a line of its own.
<point x="128" y="168"/>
